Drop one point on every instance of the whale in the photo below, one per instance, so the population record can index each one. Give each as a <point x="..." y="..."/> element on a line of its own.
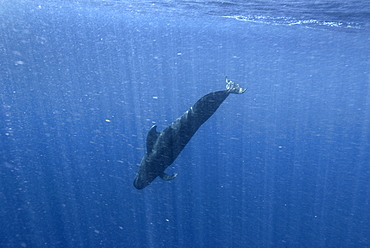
<point x="162" y="148"/>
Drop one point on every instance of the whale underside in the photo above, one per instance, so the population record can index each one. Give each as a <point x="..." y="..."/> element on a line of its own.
<point x="162" y="148"/>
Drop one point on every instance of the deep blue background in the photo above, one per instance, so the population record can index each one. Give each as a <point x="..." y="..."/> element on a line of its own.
<point x="284" y="165"/>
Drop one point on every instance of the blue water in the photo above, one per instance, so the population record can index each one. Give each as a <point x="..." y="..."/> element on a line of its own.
<point x="286" y="164"/>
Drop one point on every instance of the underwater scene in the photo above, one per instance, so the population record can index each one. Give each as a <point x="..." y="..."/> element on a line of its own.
<point x="184" y="123"/>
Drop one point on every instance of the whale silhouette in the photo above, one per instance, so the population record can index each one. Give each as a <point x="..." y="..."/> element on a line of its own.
<point x="162" y="148"/>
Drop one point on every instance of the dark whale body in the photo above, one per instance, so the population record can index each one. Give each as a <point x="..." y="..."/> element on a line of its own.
<point x="164" y="147"/>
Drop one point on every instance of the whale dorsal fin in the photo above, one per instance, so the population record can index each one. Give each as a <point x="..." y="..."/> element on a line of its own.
<point x="151" y="138"/>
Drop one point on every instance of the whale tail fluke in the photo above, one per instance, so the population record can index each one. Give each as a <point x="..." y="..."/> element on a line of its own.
<point x="234" y="87"/>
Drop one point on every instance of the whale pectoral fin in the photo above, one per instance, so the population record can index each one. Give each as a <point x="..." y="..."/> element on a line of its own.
<point x="151" y="138"/>
<point x="167" y="177"/>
